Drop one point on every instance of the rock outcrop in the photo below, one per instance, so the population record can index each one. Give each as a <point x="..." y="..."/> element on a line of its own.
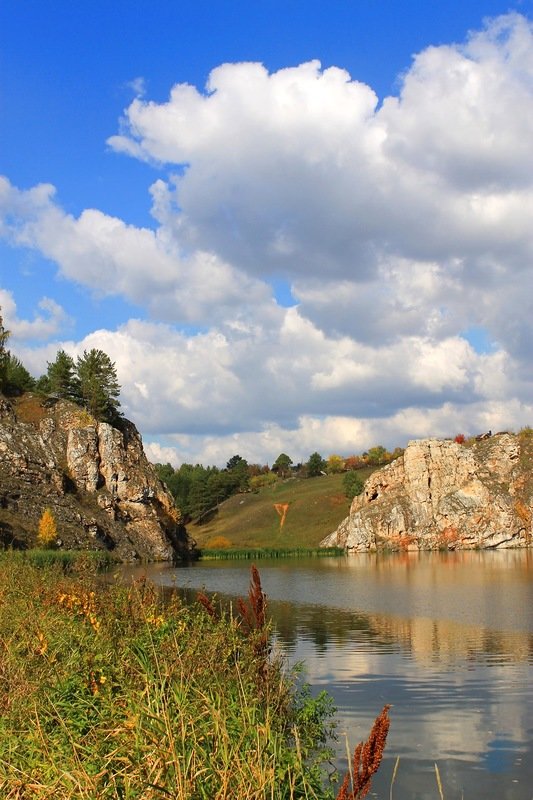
<point x="441" y="494"/>
<point x="95" y="478"/>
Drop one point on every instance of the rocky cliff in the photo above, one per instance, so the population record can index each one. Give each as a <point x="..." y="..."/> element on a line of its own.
<point x="441" y="494"/>
<point x="95" y="478"/>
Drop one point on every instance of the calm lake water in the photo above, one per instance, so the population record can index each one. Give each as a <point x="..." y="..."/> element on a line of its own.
<point x="446" y="638"/>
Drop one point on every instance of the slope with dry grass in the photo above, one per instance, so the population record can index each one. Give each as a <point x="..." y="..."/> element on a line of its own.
<point x="315" y="507"/>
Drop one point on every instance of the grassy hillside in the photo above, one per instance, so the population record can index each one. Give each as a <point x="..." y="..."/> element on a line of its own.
<point x="316" y="506"/>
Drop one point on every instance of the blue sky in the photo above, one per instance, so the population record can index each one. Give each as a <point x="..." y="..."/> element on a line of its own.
<point x="326" y="252"/>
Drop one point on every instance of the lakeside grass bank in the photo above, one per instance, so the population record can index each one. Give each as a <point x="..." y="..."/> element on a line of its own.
<point x="67" y="560"/>
<point x="111" y="691"/>
<point x="255" y="553"/>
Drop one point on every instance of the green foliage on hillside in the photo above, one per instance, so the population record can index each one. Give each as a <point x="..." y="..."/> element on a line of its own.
<point x="61" y="377"/>
<point x="316" y="465"/>
<point x="16" y="378"/>
<point x="282" y="465"/>
<point x="352" y="484"/>
<point x="198" y="490"/>
<point x="218" y="502"/>
<point x="315" y="508"/>
<point x="97" y="386"/>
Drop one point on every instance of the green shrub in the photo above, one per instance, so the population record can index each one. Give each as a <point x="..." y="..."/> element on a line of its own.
<point x="353" y="484"/>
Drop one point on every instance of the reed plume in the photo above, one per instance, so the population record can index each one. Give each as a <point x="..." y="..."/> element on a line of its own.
<point x="204" y="600"/>
<point x="253" y="613"/>
<point x="253" y="619"/>
<point x="366" y="760"/>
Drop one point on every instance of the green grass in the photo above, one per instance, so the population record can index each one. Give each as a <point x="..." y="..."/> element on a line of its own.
<point x="68" y="560"/>
<point x="109" y="692"/>
<point x="316" y="507"/>
<point x="212" y="554"/>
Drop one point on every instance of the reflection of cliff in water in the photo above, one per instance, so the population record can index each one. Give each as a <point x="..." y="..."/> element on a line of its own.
<point x="446" y="641"/>
<point x="426" y="640"/>
<point x="438" y="607"/>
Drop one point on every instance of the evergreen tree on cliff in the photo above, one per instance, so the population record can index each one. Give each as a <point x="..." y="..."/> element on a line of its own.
<point x="61" y="376"/>
<point x="17" y="379"/>
<point x="97" y="385"/>
<point x="4" y="354"/>
<point x="14" y="377"/>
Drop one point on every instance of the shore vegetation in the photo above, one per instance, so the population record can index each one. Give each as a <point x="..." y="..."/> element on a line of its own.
<point x="112" y="691"/>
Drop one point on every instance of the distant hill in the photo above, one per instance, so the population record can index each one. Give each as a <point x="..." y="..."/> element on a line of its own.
<point x="316" y="506"/>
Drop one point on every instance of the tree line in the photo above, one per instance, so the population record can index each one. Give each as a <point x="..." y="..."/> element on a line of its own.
<point x="198" y="490"/>
<point x="89" y="381"/>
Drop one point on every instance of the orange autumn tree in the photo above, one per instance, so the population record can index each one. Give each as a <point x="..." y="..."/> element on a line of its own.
<point x="47" y="533"/>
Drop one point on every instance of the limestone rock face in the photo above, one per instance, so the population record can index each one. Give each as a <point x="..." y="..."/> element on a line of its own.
<point x="94" y="477"/>
<point x="443" y="494"/>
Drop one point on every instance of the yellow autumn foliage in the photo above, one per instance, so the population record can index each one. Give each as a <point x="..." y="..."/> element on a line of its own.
<point x="47" y="533"/>
<point x="218" y="543"/>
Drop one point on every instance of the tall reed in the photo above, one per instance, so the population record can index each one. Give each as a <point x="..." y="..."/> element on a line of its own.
<point x="366" y="760"/>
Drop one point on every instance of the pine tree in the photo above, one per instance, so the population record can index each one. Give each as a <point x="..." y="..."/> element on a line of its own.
<point x="198" y="500"/>
<point x="17" y="379"/>
<point x="61" y="376"/>
<point x="14" y="377"/>
<point x="237" y="466"/>
<point x="4" y="355"/>
<point x="97" y="385"/>
<point x="47" y="533"/>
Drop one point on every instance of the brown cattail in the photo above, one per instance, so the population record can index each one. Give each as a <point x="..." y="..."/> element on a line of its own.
<point x="366" y="760"/>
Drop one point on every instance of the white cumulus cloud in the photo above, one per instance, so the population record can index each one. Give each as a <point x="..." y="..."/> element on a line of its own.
<point x="44" y="326"/>
<point x="400" y="226"/>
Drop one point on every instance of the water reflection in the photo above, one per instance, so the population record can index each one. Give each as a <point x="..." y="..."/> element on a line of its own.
<point x="447" y="638"/>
